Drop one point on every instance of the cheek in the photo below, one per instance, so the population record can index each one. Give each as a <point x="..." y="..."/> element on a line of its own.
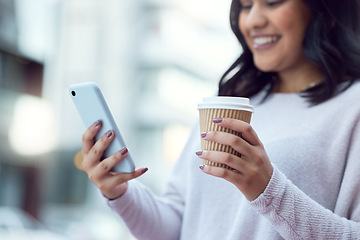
<point x="284" y="20"/>
<point x="243" y="29"/>
<point x="293" y="31"/>
<point x="241" y="22"/>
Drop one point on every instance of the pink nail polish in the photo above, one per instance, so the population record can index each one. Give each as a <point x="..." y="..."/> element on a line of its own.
<point x="97" y="123"/>
<point x="109" y="133"/>
<point x="203" y="134"/>
<point x="123" y="151"/>
<point x="199" y="153"/>
<point x="217" y="120"/>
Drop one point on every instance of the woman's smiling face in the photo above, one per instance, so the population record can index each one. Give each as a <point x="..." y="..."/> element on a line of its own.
<point x="274" y="31"/>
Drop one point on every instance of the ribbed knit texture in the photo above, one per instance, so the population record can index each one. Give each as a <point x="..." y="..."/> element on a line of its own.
<point x="314" y="192"/>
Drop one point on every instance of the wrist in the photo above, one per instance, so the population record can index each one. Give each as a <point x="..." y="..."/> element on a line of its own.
<point x="120" y="191"/>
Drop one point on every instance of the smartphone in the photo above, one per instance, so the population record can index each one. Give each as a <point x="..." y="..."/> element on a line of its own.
<point x="91" y="106"/>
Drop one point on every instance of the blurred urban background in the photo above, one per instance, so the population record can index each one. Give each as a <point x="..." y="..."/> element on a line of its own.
<point x="154" y="60"/>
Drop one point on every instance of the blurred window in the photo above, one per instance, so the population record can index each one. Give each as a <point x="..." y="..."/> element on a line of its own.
<point x="20" y="74"/>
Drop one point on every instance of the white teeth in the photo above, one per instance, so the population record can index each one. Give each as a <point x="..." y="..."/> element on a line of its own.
<point x="265" y="40"/>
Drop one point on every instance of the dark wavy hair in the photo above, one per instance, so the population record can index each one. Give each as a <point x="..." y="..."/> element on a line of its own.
<point x="332" y="43"/>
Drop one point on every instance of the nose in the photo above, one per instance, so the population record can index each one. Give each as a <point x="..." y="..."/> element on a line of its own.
<point x="256" y="18"/>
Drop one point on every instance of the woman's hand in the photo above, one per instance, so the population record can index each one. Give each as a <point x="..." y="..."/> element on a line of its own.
<point x="252" y="171"/>
<point x="111" y="184"/>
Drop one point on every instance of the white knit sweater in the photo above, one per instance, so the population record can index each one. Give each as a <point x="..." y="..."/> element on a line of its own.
<point x="314" y="192"/>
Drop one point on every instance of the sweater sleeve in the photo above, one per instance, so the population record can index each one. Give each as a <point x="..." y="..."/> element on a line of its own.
<point x="297" y="216"/>
<point x="147" y="216"/>
<point x="155" y="218"/>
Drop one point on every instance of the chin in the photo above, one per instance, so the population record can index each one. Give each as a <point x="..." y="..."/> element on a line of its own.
<point x="266" y="68"/>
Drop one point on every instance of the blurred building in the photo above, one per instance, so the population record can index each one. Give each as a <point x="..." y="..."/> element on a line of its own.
<point x="153" y="59"/>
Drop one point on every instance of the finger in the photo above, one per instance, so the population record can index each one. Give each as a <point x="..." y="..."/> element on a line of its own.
<point x="119" y="178"/>
<point x="109" y="163"/>
<point x="78" y="158"/>
<point x="129" y="176"/>
<point x="89" y="135"/>
<point x="251" y="187"/>
<point x="247" y="132"/>
<point x="227" y="174"/>
<point x="94" y="155"/>
<point x="236" y="142"/>
<point x="230" y="160"/>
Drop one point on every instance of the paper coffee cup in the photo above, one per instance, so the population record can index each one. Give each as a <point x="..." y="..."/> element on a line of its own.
<point x="222" y="107"/>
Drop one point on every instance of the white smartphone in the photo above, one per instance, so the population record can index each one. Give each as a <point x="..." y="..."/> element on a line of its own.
<point x="91" y="105"/>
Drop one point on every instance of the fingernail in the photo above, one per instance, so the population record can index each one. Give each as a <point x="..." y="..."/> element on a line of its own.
<point x="97" y="123"/>
<point x="202" y="167"/>
<point x="109" y="133"/>
<point x="199" y="153"/>
<point x="123" y="151"/>
<point x="217" y="120"/>
<point x="203" y="134"/>
<point x="144" y="170"/>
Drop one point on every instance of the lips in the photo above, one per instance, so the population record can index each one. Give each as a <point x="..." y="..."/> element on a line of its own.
<point x="264" y="41"/>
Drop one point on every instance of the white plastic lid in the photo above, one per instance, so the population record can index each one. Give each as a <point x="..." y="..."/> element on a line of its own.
<point x="237" y="103"/>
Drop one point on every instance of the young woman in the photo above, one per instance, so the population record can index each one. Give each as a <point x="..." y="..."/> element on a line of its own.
<point x="299" y="172"/>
